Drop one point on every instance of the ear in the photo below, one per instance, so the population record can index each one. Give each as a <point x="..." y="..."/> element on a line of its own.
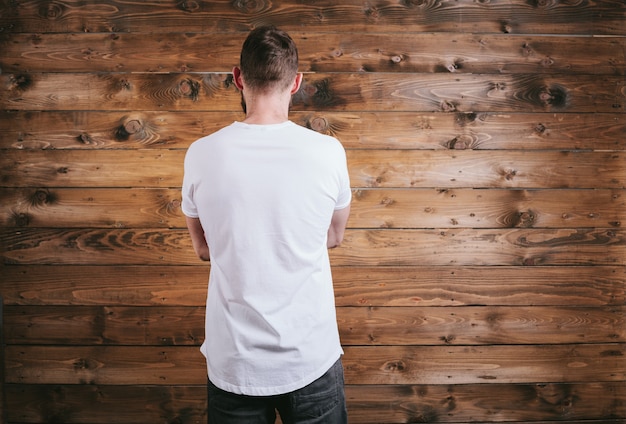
<point x="296" y="83"/>
<point x="237" y="78"/>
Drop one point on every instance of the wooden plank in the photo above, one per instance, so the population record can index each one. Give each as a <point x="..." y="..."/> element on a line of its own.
<point x="437" y="247"/>
<point x="99" y="168"/>
<point x="98" y="247"/>
<point x="366" y="404"/>
<point x="180" y="365"/>
<point x="480" y="325"/>
<point x="486" y="364"/>
<point x="371" y="208"/>
<point x="358" y="130"/>
<point x="486" y="403"/>
<point x="356" y="92"/>
<point x="318" y="52"/>
<point x="368" y="169"/>
<point x="113" y="208"/>
<point x="160" y="16"/>
<point x="95" y="325"/>
<point x="469" y="208"/>
<point x="466" y="285"/>
<point x="113" y="130"/>
<point x="369" y="326"/>
<point x="3" y="411"/>
<point x="82" y="404"/>
<point x="354" y="286"/>
<point x="521" y="169"/>
<point x="165" y="285"/>
<point x="481" y="247"/>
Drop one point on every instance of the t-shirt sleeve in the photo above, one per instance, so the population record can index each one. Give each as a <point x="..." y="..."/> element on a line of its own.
<point x="345" y="193"/>
<point x="188" y="205"/>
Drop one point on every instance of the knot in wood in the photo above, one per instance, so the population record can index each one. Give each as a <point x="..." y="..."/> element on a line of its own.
<point x="394" y="366"/>
<point x="414" y="3"/>
<point x="319" y="124"/>
<point x="124" y="84"/>
<point x="447" y="339"/>
<point x="526" y="219"/>
<point x="372" y="13"/>
<point x="85" y="139"/>
<point x="189" y="6"/>
<point x="133" y="126"/>
<point x="452" y="67"/>
<point x="173" y="206"/>
<point x="459" y="143"/>
<point x="530" y="262"/>
<point x="41" y="197"/>
<point x="322" y="94"/>
<point x="20" y="219"/>
<point x="51" y="11"/>
<point x="448" y="106"/>
<point x="554" y="95"/>
<point x="36" y="39"/>
<point x="462" y="119"/>
<point x="84" y="364"/>
<point x="510" y="174"/>
<point x="540" y="128"/>
<point x="189" y="88"/>
<point x="20" y="82"/>
<point x="251" y="6"/>
<point x="541" y="3"/>
<point x="387" y="201"/>
<point x="547" y="61"/>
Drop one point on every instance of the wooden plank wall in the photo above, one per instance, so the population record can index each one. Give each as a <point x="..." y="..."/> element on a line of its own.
<point x="483" y="274"/>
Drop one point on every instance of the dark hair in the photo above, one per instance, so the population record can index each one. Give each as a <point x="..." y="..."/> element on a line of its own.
<point x="269" y="58"/>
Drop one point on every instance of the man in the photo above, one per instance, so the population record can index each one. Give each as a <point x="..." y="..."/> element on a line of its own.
<point x="264" y="199"/>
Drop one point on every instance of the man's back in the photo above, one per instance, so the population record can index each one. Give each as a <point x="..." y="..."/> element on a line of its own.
<point x="265" y="196"/>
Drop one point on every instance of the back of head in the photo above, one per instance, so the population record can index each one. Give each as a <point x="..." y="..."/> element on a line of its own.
<point x="269" y="59"/>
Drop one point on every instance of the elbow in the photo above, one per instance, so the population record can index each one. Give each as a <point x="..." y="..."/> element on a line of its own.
<point x="334" y="241"/>
<point x="203" y="254"/>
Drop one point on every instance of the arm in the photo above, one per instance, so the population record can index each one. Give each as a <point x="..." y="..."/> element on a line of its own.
<point x="197" y="238"/>
<point x="337" y="227"/>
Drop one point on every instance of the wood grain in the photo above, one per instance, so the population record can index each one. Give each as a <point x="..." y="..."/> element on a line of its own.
<point x="318" y="52"/>
<point x="355" y="92"/>
<point x="179" y="365"/>
<point x="370" y="326"/>
<point x="368" y="169"/>
<point x="481" y="403"/>
<point x="453" y="247"/>
<point x="95" y="130"/>
<point x="389" y="404"/>
<point x="439" y="247"/>
<point x="170" y="285"/>
<point x="371" y="208"/>
<point x="483" y="274"/>
<point x="464" y="16"/>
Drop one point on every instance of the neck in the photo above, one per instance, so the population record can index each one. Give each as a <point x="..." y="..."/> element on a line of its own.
<point x="267" y="108"/>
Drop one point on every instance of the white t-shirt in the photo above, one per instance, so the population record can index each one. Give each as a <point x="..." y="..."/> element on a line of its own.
<point x="265" y="195"/>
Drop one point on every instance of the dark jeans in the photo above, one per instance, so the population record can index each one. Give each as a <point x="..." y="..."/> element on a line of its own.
<point x="321" y="402"/>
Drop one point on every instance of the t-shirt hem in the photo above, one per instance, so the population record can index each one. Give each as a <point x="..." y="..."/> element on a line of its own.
<point x="189" y="214"/>
<point x="276" y="390"/>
